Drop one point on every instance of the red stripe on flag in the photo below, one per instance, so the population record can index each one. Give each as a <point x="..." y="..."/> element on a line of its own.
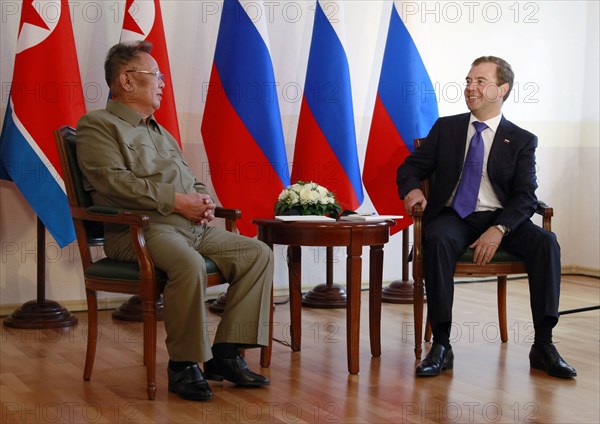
<point x="314" y="160"/>
<point x="241" y="174"/>
<point x="166" y="115"/>
<point x="385" y="152"/>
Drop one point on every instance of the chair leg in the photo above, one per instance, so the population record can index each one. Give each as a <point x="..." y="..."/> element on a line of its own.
<point x="149" y="311"/>
<point x="418" y="293"/>
<point x="502" y="308"/>
<point x="92" y="337"/>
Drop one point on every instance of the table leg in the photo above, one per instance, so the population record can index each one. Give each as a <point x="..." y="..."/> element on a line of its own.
<point x="353" y="278"/>
<point x="375" y="284"/>
<point x="295" y="278"/>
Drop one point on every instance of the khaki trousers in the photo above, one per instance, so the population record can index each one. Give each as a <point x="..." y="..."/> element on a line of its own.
<point x="246" y="263"/>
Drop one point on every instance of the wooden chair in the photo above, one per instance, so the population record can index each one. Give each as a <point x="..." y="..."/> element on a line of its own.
<point x="141" y="278"/>
<point x="502" y="264"/>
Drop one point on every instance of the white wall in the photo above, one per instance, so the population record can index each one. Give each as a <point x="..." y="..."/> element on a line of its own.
<point x="552" y="46"/>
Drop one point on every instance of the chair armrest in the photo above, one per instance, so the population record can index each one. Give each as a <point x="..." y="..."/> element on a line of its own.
<point x="110" y="216"/>
<point x="227" y="213"/>
<point x="544" y="210"/>
<point x="417" y="211"/>
<point x="230" y="216"/>
<point x="547" y="213"/>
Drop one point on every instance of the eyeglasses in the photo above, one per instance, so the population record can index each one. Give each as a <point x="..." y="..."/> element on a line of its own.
<point x="157" y="74"/>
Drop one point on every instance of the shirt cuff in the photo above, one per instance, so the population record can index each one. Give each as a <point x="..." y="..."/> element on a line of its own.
<point x="166" y="199"/>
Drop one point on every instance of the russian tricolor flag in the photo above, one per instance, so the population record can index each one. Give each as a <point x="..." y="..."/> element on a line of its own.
<point x="405" y="109"/>
<point x="325" y="150"/>
<point x="46" y="93"/>
<point x="143" y="21"/>
<point x="241" y="127"/>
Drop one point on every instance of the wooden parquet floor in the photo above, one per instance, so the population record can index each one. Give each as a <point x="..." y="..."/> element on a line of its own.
<point x="41" y="371"/>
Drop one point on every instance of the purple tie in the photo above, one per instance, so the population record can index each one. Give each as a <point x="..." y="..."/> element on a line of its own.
<point x="465" y="199"/>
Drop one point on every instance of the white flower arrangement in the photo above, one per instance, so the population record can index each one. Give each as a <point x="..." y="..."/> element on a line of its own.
<point x="307" y="198"/>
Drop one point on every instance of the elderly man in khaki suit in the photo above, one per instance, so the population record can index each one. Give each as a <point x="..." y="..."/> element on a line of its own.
<point x="130" y="161"/>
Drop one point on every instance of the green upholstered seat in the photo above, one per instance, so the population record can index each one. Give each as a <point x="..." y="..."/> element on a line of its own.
<point x="110" y="269"/>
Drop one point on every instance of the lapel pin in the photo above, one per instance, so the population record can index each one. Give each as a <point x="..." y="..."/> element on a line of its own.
<point x="506" y="140"/>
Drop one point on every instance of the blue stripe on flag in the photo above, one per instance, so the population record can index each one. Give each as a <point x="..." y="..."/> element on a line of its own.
<point x="246" y="71"/>
<point x="328" y="93"/>
<point x="405" y="88"/>
<point x="36" y="183"/>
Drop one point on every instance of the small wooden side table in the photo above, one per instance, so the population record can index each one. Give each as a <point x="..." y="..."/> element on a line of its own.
<point x="353" y="235"/>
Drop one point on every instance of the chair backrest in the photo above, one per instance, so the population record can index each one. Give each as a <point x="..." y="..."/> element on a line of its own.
<point x="66" y="144"/>
<point x="71" y="167"/>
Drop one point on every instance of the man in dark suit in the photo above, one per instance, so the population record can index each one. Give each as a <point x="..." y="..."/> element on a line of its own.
<point x="483" y="196"/>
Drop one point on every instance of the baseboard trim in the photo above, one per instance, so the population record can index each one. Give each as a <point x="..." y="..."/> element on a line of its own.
<point x="580" y="270"/>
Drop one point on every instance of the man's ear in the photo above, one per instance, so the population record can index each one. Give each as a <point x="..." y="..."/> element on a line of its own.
<point x="504" y="89"/>
<point x="125" y="82"/>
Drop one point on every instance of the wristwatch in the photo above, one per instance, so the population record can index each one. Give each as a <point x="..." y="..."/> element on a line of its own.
<point x="503" y="229"/>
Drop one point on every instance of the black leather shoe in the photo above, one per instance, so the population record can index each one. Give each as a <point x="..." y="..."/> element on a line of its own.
<point x="546" y="357"/>
<point x="189" y="383"/>
<point x="235" y="371"/>
<point x="439" y="358"/>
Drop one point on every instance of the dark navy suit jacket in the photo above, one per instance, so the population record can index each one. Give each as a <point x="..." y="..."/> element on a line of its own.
<point x="511" y="168"/>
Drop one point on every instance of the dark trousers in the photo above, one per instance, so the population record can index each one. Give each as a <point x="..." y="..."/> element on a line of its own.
<point x="448" y="236"/>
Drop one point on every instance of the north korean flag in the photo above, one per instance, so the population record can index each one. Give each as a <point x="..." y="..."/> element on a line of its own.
<point x="46" y="93"/>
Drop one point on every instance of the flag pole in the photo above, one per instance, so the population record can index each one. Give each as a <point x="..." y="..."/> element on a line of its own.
<point x="132" y="310"/>
<point x="40" y="313"/>
<point x="401" y="291"/>
<point x="328" y="294"/>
